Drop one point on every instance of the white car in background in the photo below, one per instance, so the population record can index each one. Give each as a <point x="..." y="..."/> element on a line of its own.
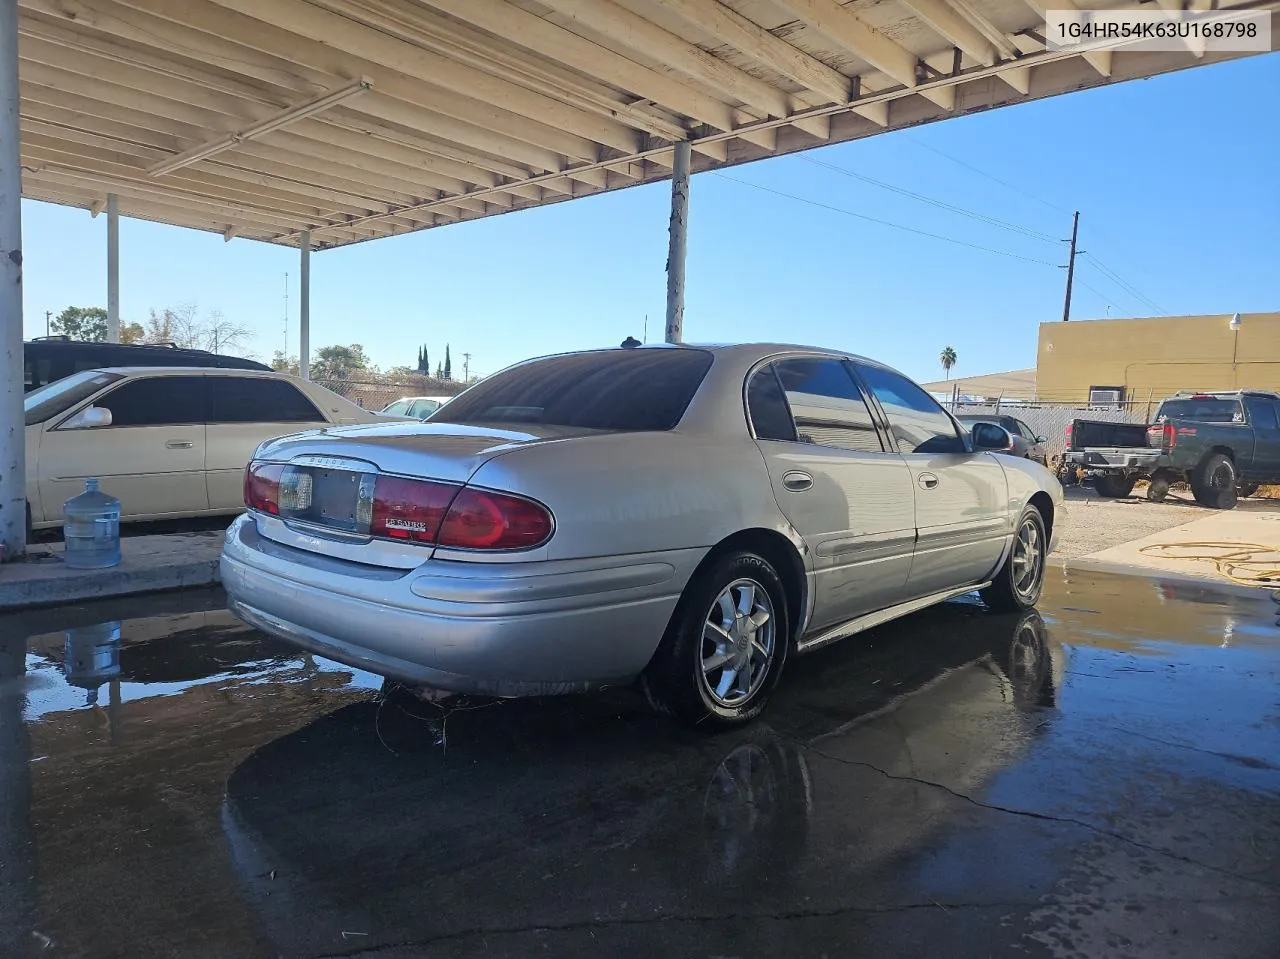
<point x="167" y="442"/>
<point x="418" y="407"/>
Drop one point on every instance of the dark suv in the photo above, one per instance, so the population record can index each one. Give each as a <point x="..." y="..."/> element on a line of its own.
<point x="51" y="358"/>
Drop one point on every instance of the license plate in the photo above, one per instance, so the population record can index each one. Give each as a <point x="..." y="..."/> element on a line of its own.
<point x="326" y="497"/>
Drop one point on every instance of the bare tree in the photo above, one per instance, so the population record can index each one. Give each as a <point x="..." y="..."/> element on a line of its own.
<point x="183" y="326"/>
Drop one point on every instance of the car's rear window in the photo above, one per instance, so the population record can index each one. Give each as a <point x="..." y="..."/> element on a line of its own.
<point x="626" y="390"/>
<point x="1212" y="410"/>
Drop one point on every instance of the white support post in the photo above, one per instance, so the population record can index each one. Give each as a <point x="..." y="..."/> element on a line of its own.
<point x="304" y="306"/>
<point x="678" y="242"/>
<point x="113" y="269"/>
<point x="13" y="439"/>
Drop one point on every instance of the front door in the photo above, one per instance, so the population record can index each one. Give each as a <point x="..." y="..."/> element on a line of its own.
<point x="1264" y="416"/>
<point x="151" y="457"/>
<point x="849" y="499"/>
<point x="962" y="498"/>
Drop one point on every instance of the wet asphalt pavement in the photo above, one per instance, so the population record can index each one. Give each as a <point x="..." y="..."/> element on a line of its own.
<point x="1098" y="779"/>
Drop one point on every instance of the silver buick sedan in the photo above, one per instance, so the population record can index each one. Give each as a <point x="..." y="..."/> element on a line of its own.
<point x="688" y="516"/>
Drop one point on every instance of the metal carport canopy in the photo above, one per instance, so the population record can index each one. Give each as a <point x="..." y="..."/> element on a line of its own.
<point x="318" y="123"/>
<point x="348" y="120"/>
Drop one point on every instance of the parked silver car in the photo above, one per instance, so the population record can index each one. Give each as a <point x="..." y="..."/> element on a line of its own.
<point x="691" y="516"/>
<point x="1024" y="442"/>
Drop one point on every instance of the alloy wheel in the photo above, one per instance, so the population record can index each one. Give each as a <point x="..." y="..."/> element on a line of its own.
<point x="739" y="639"/>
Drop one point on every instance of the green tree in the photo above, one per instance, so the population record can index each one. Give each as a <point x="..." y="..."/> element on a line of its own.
<point x="285" y="364"/>
<point x="439" y="372"/>
<point x="448" y="366"/>
<point x="82" y="323"/>
<point x="425" y="366"/>
<point x="339" y="362"/>
<point x="948" y="359"/>
<point x="132" y="333"/>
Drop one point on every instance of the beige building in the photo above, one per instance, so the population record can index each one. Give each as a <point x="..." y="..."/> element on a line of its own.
<point x="1155" y="356"/>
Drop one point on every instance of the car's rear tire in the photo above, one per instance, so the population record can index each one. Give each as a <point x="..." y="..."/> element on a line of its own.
<point x="1018" y="584"/>
<point x="1113" y="485"/>
<point x="726" y="644"/>
<point x="1214" y="482"/>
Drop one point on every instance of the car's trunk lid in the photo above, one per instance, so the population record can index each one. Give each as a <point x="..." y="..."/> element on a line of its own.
<point x="338" y="467"/>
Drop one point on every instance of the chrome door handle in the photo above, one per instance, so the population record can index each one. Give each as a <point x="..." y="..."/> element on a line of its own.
<point x="796" y="481"/>
<point x="928" y="481"/>
<point x="178" y="445"/>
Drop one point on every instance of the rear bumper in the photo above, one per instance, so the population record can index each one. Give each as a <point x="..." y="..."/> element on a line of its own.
<point x="505" y="629"/>
<point x="1120" y="459"/>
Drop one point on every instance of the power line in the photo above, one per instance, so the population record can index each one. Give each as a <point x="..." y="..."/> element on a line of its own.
<point x="983" y="173"/>
<point x="941" y="204"/>
<point x="1125" y="285"/>
<point x="872" y="219"/>
<point x="1111" y="274"/>
<point x="1098" y="293"/>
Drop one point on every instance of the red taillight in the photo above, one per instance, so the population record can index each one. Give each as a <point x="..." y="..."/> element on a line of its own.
<point x="409" y="509"/>
<point x="1162" y="437"/>
<point x="479" y="519"/>
<point x="262" y="487"/>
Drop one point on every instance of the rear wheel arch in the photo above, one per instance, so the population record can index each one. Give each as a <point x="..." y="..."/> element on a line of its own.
<point x="780" y="553"/>
<point x="1226" y="451"/>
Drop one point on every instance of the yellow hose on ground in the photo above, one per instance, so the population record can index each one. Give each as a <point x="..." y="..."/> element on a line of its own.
<point x="1247" y="563"/>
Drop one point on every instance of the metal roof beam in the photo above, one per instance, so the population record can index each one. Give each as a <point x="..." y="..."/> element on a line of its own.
<point x="946" y="21"/>
<point x="278" y="122"/>
<point x="388" y="55"/>
<point x="719" y="20"/>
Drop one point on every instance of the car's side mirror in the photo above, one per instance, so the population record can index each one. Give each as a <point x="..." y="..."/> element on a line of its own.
<point x="89" y="418"/>
<point x="1042" y="439"/>
<point x="988" y="436"/>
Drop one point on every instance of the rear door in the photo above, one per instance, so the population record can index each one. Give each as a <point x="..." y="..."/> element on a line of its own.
<point x="1264" y="414"/>
<point x="151" y="457"/>
<point x="962" y="498"/>
<point x="849" y="499"/>
<point x="245" y="411"/>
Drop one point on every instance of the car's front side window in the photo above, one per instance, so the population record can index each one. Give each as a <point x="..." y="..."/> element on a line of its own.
<point x="919" y="423"/>
<point x="826" y="405"/>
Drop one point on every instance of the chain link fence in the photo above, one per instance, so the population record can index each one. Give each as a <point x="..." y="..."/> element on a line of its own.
<point x="376" y="394"/>
<point x="1051" y="420"/>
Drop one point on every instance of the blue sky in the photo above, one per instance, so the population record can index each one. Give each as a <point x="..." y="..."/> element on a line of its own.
<point x="1175" y="178"/>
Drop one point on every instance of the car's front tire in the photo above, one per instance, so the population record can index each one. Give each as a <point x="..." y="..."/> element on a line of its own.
<point x="1018" y="584"/>
<point x="726" y="644"/>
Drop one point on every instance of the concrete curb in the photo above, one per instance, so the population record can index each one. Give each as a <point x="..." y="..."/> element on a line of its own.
<point x="149" y="564"/>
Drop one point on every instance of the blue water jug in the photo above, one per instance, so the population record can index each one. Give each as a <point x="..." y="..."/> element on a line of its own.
<point x="91" y="529"/>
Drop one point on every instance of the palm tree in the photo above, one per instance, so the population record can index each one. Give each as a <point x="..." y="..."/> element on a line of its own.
<point x="948" y="359"/>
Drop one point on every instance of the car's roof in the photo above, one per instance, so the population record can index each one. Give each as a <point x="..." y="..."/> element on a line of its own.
<point x="188" y="371"/>
<point x="747" y="351"/>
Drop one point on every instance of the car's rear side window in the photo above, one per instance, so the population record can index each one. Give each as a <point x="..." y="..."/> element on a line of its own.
<point x="253" y="399"/>
<point x="626" y="390"/>
<point x="826" y="404"/>
<point x="1210" y="409"/>
<point x="767" y="406"/>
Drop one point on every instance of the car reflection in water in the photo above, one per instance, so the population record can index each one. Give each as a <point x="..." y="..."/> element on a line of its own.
<point x="493" y="823"/>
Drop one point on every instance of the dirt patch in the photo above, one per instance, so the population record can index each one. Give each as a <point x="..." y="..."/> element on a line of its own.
<point x="1094" y="523"/>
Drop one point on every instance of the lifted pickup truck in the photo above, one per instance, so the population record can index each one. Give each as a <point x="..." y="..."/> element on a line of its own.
<point x="1224" y="444"/>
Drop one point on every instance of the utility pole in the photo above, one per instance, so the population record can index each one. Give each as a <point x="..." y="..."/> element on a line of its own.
<point x="466" y="367"/>
<point x="48" y="315"/>
<point x="1071" y="267"/>
<point x="286" y="318"/>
